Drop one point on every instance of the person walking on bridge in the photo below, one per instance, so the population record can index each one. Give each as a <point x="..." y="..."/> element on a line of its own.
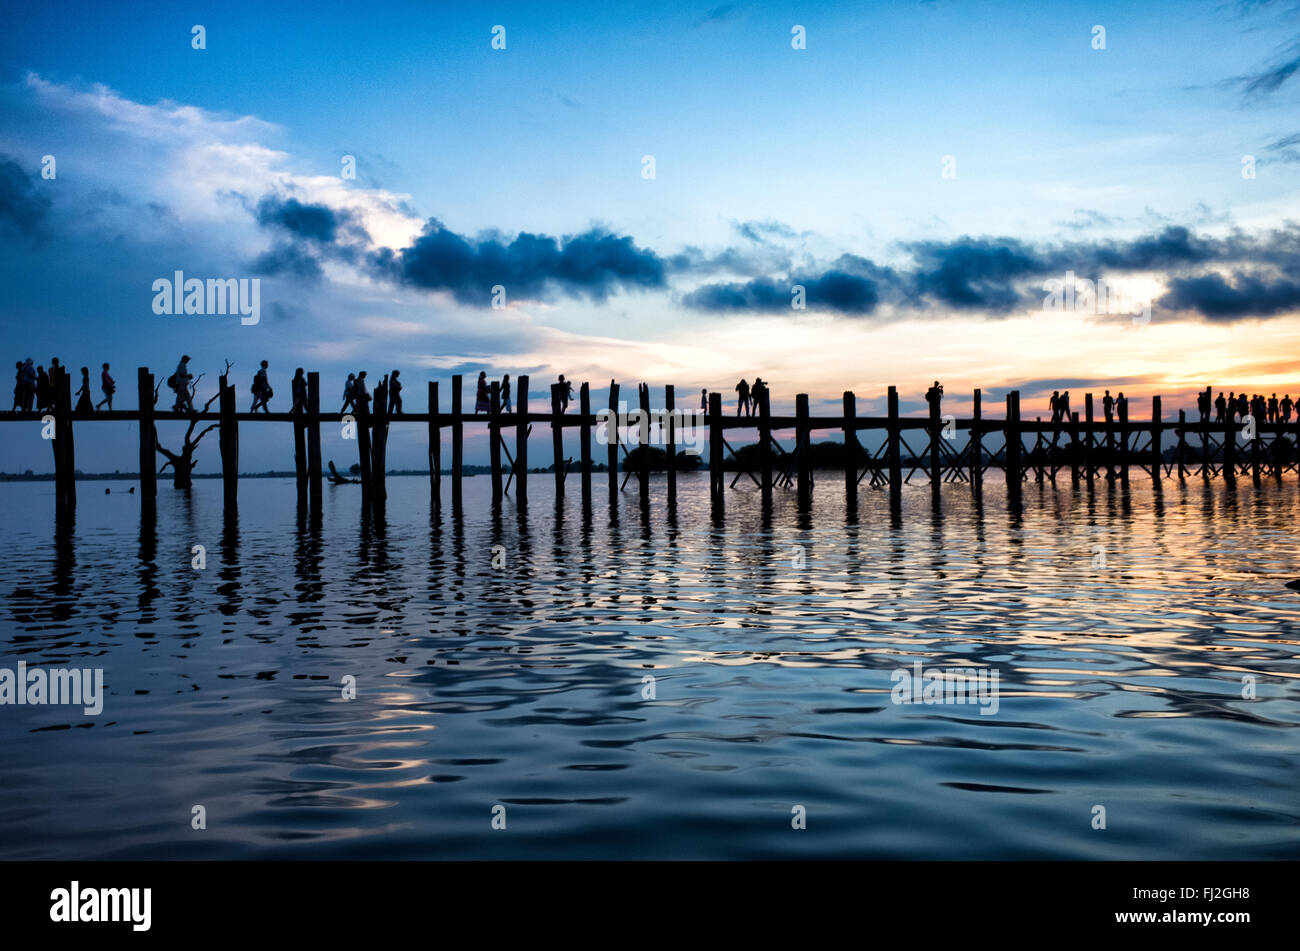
<point x="109" y="387"/>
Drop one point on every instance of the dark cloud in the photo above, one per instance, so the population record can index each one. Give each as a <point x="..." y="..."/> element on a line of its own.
<point x="593" y="264"/>
<point x="852" y="286"/>
<point x="288" y="259"/>
<point x="23" y="209"/>
<point x="313" y="222"/>
<point x="1212" y="296"/>
<point x="974" y="273"/>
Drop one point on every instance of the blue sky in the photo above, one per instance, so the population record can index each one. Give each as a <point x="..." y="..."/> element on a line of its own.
<point x="771" y="165"/>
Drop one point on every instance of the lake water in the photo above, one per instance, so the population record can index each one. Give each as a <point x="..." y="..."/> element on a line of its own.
<point x="499" y="662"/>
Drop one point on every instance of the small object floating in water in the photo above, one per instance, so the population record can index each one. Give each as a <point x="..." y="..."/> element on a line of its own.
<point x="107" y="491"/>
<point x="1294" y="584"/>
<point x="131" y="491"/>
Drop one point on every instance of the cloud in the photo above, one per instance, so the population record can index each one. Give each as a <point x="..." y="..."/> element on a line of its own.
<point x="591" y="265"/>
<point x="22" y="209"/>
<point x="1212" y="296"/>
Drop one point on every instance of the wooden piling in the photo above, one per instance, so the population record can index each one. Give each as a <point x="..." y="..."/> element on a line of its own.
<point x="1182" y="444"/>
<point x="557" y="440"/>
<point x="435" y="448"/>
<point x="363" y="447"/>
<point x="299" y="453"/>
<point x="494" y="440"/>
<point x="1157" y="430"/>
<point x="612" y="444"/>
<point x="379" y="446"/>
<point x="716" y="480"/>
<point x="521" y="444"/>
<point x="65" y="481"/>
<point x="1207" y="464"/>
<point x="228" y="441"/>
<point x="1087" y="439"/>
<point x="852" y="448"/>
<point x="1230" y="447"/>
<point x="1074" y="449"/>
<point x="976" y="443"/>
<point x="148" y="448"/>
<point x="934" y="441"/>
<point x="584" y="441"/>
<point x="457" y="440"/>
<point x="314" y="475"/>
<point x="1014" y="448"/>
<point x="893" y="437"/>
<point x="643" y="443"/>
<point x="670" y="437"/>
<point x="1122" y="407"/>
<point x="803" y="446"/>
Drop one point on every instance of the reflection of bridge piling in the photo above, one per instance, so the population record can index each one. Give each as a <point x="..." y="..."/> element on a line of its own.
<point x="1086" y="447"/>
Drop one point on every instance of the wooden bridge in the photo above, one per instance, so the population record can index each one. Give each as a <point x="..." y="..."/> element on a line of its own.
<point x="1087" y="448"/>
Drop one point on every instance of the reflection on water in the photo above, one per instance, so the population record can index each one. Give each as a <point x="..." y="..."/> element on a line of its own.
<point x="499" y="659"/>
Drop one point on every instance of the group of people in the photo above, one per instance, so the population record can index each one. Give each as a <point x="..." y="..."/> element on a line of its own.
<point x="1270" y="410"/>
<point x="483" y="395"/>
<point x="749" y="396"/>
<point x="357" y="397"/>
<point x="34" y="387"/>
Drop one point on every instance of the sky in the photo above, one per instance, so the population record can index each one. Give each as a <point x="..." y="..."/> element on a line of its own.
<point x="646" y="183"/>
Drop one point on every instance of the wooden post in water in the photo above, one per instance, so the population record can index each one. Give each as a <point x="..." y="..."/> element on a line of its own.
<point x="643" y="442"/>
<point x="1123" y="439"/>
<point x="228" y="441"/>
<point x="494" y="440"/>
<point x="1157" y="430"/>
<point x="765" y="442"/>
<point x="299" y="454"/>
<point x="521" y="444"/>
<point x="1074" y="448"/>
<point x="557" y="440"/>
<point x="1013" y="445"/>
<point x="1087" y="438"/>
<point x="65" y="482"/>
<point x="803" y="446"/>
<point x="670" y="437"/>
<point x="852" y="448"/>
<point x="892" y="437"/>
<point x="363" y="447"/>
<point x="584" y="442"/>
<point x="379" y="446"/>
<point x="1182" y="444"/>
<point x="314" y="475"/>
<point x="612" y="443"/>
<point x="457" y="440"/>
<point x="715" y="448"/>
<point x="976" y="443"/>
<point x="1230" y="448"/>
<point x="148" y="467"/>
<point x="934" y="442"/>
<point x="435" y="448"/>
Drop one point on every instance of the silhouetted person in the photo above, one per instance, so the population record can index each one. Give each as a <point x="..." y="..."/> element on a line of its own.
<point x="505" y="393"/>
<point x="1203" y="405"/>
<point x="298" y="388"/>
<point x="1272" y="408"/>
<point x="1121" y="405"/>
<point x="1286" y="406"/>
<point x="1243" y="406"/>
<point x="743" y="405"/>
<point x="758" y="394"/>
<point x="1054" y="404"/>
<point x="934" y="395"/>
<point x="1108" y="406"/>
<point x="43" y="389"/>
<point x="18" y="386"/>
<point x="84" y="405"/>
<point x="1220" y="407"/>
<point x="704" y="401"/>
<point x="361" y="396"/>
<point x="349" y="393"/>
<point x="180" y="384"/>
<point x="566" y="393"/>
<point x="29" y="384"/>
<point x="394" y="394"/>
<point x="1064" y="405"/>
<point x="261" y="389"/>
<point x="483" y="395"/>
<point x="109" y="387"/>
